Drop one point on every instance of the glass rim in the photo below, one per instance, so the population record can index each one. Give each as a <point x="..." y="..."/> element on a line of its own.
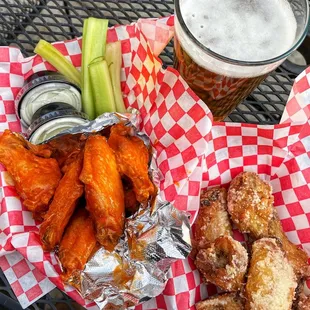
<point x="242" y="62"/>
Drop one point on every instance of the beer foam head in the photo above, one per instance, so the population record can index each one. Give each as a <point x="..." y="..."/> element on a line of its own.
<point x="246" y="30"/>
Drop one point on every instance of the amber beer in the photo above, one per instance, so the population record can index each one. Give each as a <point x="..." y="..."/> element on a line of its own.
<point x="221" y="93"/>
<point x="224" y="49"/>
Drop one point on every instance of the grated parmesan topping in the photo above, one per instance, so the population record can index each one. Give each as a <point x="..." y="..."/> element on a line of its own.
<point x="223" y="263"/>
<point x="213" y="219"/>
<point x="275" y="277"/>
<point x="250" y="203"/>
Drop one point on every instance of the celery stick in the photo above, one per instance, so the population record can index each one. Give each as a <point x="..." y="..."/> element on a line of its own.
<point x="93" y="46"/>
<point x="113" y="57"/>
<point x="101" y="87"/>
<point x="58" y="60"/>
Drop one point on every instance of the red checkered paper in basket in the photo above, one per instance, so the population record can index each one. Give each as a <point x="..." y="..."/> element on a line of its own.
<point x="190" y="156"/>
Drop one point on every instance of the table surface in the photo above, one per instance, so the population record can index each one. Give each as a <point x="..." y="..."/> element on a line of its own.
<point x="24" y="22"/>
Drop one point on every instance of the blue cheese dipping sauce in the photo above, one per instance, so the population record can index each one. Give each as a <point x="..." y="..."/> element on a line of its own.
<point x="44" y="88"/>
<point x="50" y="124"/>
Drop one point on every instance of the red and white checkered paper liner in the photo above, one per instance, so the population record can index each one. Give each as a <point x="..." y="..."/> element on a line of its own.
<point x="190" y="156"/>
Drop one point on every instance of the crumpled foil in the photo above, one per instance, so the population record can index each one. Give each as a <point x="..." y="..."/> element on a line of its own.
<point x="156" y="236"/>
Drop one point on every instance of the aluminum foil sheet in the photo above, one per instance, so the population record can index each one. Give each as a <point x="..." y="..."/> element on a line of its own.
<point x="156" y="236"/>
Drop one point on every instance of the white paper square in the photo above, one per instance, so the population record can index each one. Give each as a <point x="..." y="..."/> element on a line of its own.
<point x="301" y="221"/>
<point x="289" y="196"/>
<point x="283" y="212"/>
<point x="180" y="284"/>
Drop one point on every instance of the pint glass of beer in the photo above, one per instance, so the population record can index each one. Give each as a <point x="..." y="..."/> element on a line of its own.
<point x="225" y="48"/>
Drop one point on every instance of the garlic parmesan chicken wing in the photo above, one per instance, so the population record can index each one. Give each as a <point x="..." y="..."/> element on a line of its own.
<point x="35" y="178"/>
<point x="103" y="190"/>
<point x="77" y="244"/>
<point x="65" y="200"/>
<point x="221" y="302"/>
<point x="212" y="220"/>
<point x="223" y="263"/>
<point x="296" y="256"/>
<point x="132" y="157"/>
<point x="271" y="279"/>
<point x="250" y="204"/>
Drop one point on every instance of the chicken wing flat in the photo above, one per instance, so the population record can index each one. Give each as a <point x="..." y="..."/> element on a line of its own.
<point x="250" y="204"/>
<point x="103" y="190"/>
<point x="221" y="302"/>
<point x="65" y="200"/>
<point x="296" y="256"/>
<point x="77" y="244"/>
<point x="271" y="279"/>
<point x="212" y="220"/>
<point x="132" y="159"/>
<point x="223" y="263"/>
<point x="35" y="178"/>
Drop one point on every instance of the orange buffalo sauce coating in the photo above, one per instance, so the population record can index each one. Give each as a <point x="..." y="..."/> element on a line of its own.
<point x="123" y="275"/>
<point x="132" y="157"/>
<point x="65" y="200"/>
<point x="77" y="244"/>
<point x="104" y="191"/>
<point x="35" y="178"/>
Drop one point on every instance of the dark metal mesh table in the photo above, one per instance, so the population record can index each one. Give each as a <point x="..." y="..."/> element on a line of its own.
<point x="24" y="22"/>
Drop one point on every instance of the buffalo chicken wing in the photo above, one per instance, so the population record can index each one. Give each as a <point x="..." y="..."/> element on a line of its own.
<point x="66" y="197"/>
<point x="77" y="244"/>
<point x="132" y="157"/>
<point x="35" y="178"/>
<point x="104" y="191"/>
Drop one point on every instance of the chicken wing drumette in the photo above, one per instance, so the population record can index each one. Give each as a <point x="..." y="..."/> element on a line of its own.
<point x="77" y="245"/>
